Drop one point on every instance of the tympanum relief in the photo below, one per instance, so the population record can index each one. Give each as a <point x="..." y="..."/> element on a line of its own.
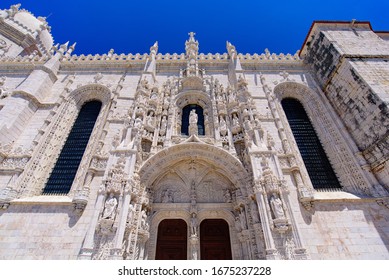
<point x="174" y="186"/>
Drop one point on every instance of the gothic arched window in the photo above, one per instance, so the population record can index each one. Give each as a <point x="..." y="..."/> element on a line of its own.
<point x="65" y="169"/>
<point x="318" y="166"/>
<point x="185" y="119"/>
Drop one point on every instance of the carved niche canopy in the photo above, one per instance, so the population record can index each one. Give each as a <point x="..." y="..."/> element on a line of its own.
<point x="192" y="83"/>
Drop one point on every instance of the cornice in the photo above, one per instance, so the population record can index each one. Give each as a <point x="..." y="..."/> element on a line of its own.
<point x="136" y="62"/>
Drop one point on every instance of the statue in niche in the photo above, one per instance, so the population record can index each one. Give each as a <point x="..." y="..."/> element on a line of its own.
<point x="254" y="211"/>
<point x="150" y="119"/>
<point x="162" y="131"/>
<point x="242" y="218"/>
<point x="220" y="98"/>
<point x="276" y="206"/>
<point x="235" y="120"/>
<point x="238" y="225"/>
<point x="193" y="225"/>
<point x="167" y="196"/>
<point x="193" y="117"/>
<point x="131" y="210"/>
<point x="227" y="196"/>
<point x="138" y="123"/>
<point x="154" y="94"/>
<point x="166" y="103"/>
<point x="247" y="124"/>
<point x="223" y="126"/>
<point x="144" y="224"/>
<point x="110" y="207"/>
<point x="231" y="95"/>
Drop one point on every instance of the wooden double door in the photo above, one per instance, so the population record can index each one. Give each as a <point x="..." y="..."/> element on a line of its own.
<point x="173" y="238"/>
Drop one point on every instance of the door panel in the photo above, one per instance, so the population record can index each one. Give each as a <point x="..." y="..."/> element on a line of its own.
<point x="215" y="240"/>
<point x="172" y="240"/>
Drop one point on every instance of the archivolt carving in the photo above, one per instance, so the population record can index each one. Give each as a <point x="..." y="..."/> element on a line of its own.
<point x="215" y="157"/>
<point x="175" y="186"/>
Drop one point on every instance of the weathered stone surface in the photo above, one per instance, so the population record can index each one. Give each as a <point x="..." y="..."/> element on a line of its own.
<point x="242" y="165"/>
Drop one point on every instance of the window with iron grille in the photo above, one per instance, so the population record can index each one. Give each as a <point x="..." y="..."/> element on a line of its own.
<point x="315" y="159"/>
<point x="65" y="169"/>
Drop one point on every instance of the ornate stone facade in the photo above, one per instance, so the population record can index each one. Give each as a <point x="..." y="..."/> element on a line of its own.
<point x="194" y="137"/>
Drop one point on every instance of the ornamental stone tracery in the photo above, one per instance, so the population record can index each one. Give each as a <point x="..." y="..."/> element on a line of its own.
<point x="238" y="161"/>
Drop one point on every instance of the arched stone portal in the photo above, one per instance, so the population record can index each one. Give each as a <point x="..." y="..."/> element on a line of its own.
<point x="194" y="182"/>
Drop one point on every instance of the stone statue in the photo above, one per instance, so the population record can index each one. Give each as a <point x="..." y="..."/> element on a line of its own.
<point x="150" y="120"/>
<point x="193" y="129"/>
<point x="110" y="207"/>
<point x="162" y="131"/>
<point x="254" y="211"/>
<point x="242" y="218"/>
<point x="154" y="94"/>
<point x="276" y="206"/>
<point x="167" y="196"/>
<point x="223" y="126"/>
<point x="144" y="225"/>
<point x="247" y="124"/>
<point x="131" y="210"/>
<point x="193" y="225"/>
<point x="235" y="120"/>
<point x="138" y="123"/>
<point x="227" y="196"/>
<point x="193" y="117"/>
<point x="238" y="225"/>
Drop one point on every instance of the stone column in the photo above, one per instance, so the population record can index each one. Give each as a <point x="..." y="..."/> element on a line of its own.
<point x="194" y="247"/>
<point x="122" y="223"/>
<point x="87" y="249"/>
<point x="269" y="242"/>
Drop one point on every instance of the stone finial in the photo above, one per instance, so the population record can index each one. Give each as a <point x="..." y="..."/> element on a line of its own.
<point x="154" y="48"/>
<point x="14" y="9"/>
<point x="192" y="46"/>
<point x="231" y="49"/>
<point x="63" y="48"/>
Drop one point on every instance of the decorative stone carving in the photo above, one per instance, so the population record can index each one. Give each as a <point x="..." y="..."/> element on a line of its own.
<point x="4" y="47"/>
<point x="3" y="89"/>
<point x="110" y="207"/>
<point x="254" y="211"/>
<point x="277" y="207"/>
<point x="223" y="126"/>
<point x="227" y="196"/>
<point x="193" y="119"/>
<point x="150" y="121"/>
<point x="162" y="130"/>
<point x="144" y="220"/>
<point x="193" y="225"/>
<point x="167" y="196"/>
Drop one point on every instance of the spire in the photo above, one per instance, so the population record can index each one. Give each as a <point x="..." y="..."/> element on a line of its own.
<point x="192" y="46"/>
<point x="192" y="50"/>
<point x="234" y="68"/>
<point x="150" y="65"/>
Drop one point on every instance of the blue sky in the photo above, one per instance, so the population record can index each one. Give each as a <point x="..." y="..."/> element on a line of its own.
<point x="133" y="26"/>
